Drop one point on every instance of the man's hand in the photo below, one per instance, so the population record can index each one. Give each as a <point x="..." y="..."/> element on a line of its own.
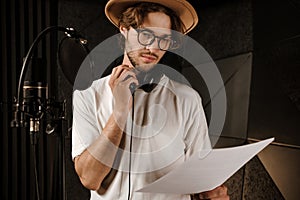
<point x="219" y="193"/>
<point x="121" y="77"/>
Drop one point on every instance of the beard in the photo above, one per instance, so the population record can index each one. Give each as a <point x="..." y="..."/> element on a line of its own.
<point x="134" y="57"/>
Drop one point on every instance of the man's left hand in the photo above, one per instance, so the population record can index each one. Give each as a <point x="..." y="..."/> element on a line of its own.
<point x="219" y="193"/>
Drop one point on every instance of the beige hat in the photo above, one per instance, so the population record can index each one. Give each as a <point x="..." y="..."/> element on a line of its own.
<point x="184" y="10"/>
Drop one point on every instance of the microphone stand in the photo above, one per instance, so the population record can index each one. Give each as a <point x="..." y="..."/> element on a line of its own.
<point x="36" y="109"/>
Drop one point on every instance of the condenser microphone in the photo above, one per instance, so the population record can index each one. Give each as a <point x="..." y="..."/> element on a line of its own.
<point x="35" y="88"/>
<point x="34" y="96"/>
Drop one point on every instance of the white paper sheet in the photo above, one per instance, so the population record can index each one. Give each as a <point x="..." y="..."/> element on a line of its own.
<point x="199" y="174"/>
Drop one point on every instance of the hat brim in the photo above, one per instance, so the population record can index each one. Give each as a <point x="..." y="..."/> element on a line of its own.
<point x="184" y="10"/>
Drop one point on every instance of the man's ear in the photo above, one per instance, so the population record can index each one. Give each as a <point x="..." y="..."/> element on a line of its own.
<point x="123" y="31"/>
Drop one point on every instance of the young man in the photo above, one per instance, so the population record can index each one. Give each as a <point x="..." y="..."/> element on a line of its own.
<point x="123" y="141"/>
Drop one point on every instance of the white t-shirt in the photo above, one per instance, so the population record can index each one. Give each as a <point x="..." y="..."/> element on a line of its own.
<point x="169" y="126"/>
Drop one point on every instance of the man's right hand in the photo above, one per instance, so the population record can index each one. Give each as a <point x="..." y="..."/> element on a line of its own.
<point x="121" y="78"/>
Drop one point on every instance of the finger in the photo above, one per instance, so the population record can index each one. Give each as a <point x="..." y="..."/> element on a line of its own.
<point x="126" y="75"/>
<point x="131" y="80"/>
<point x="225" y="197"/>
<point x="117" y="71"/>
<point x="217" y="192"/>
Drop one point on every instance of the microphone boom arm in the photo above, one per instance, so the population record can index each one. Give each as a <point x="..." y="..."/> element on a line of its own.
<point x="70" y="32"/>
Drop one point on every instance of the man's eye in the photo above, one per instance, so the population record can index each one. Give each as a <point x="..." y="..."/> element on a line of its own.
<point x="166" y="40"/>
<point x="147" y="35"/>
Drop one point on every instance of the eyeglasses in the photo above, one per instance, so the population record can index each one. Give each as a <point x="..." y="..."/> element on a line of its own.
<point x="147" y="37"/>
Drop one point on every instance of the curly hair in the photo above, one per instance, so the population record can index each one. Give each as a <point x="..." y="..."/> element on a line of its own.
<point x="134" y="16"/>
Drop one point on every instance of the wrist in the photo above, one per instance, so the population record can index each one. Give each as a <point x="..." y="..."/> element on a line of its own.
<point x="120" y="117"/>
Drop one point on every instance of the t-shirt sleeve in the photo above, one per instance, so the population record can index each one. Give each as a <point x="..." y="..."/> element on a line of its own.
<point x="196" y="135"/>
<point x="84" y="128"/>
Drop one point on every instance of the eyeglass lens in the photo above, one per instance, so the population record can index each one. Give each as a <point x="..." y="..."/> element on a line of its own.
<point x="146" y="37"/>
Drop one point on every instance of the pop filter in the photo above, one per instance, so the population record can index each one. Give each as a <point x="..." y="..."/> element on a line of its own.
<point x="71" y="54"/>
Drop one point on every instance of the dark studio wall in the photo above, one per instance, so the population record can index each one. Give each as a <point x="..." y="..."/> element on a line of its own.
<point x="255" y="45"/>
<point x="276" y="75"/>
<point x="21" y="21"/>
<point x="275" y="90"/>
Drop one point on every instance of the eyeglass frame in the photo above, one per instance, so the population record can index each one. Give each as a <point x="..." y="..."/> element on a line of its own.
<point x="171" y="46"/>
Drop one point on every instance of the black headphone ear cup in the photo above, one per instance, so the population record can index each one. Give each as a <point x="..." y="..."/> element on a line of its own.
<point x="148" y="81"/>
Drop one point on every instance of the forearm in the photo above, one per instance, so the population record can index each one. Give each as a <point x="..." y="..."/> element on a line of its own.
<point x="94" y="164"/>
<point x="96" y="161"/>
